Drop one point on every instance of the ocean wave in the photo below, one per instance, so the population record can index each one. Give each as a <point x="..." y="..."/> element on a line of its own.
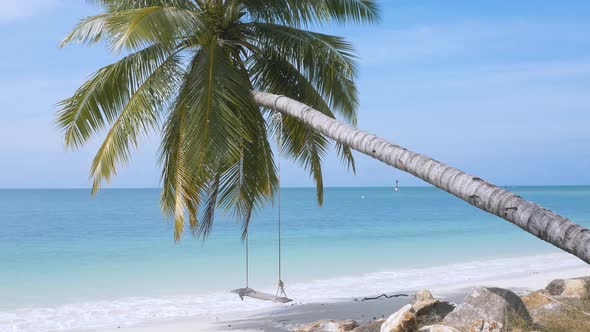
<point x="134" y="311"/>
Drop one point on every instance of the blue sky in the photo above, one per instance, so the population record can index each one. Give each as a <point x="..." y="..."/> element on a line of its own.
<point x="500" y="89"/>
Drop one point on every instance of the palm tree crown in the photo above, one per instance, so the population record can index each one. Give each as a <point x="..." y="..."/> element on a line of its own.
<point x="188" y="72"/>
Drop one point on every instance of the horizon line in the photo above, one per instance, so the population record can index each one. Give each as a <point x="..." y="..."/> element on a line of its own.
<point x="302" y="187"/>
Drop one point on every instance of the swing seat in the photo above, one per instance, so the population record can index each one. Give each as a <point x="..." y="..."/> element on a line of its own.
<point x="249" y="292"/>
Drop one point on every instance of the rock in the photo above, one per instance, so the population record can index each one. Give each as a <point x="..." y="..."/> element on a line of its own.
<point x="427" y="307"/>
<point x="535" y="300"/>
<point x="422" y="295"/>
<point x="438" y="328"/>
<point x="568" y="287"/>
<point x="485" y="326"/>
<point x="404" y="320"/>
<point x="486" y="309"/>
<point x="555" y="287"/>
<point x="541" y="313"/>
<point x="374" y="326"/>
<point x="433" y="309"/>
<point x="330" y="326"/>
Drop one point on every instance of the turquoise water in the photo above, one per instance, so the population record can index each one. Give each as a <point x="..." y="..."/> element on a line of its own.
<point x="61" y="246"/>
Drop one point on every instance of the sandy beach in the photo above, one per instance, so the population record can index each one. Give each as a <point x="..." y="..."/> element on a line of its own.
<point x="289" y="316"/>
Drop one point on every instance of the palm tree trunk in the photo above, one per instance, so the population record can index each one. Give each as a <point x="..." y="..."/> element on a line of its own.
<point x="535" y="219"/>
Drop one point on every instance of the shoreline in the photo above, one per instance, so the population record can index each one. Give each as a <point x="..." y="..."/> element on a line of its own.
<point x="288" y="318"/>
<point x="529" y="276"/>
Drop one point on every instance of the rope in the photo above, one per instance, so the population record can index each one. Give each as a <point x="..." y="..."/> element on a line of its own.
<point x="279" y="194"/>
<point x="281" y="284"/>
<point x="247" y="262"/>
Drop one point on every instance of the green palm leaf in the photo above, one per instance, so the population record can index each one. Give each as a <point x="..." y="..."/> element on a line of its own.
<point x="100" y="100"/>
<point x="271" y="72"/>
<point x="309" y="12"/>
<point x="119" y="5"/>
<point x="134" y="29"/>
<point x="189" y="75"/>
<point x="327" y="62"/>
<point x="139" y="116"/>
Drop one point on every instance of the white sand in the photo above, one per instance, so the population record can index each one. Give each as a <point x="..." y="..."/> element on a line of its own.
<point x="287" y="317"/>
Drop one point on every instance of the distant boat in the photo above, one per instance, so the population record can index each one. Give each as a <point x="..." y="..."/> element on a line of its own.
<point x="396" y="185"/>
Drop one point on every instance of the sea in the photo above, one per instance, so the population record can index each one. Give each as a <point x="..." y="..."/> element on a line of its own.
<point x="70" y="261"/>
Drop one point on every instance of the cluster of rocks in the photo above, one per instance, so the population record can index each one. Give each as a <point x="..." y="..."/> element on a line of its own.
<point x="558" y="296"/>
<point x="484" y="309"/>
<point x="423" y="308"/>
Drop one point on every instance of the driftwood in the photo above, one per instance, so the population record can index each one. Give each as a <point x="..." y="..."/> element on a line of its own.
<point x="382" y="296"/>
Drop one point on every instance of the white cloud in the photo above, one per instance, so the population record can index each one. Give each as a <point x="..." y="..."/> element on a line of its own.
<point x="15" y="10"/>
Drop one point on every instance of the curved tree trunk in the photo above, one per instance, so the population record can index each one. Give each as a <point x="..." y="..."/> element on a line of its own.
<point x="535" y="219"/>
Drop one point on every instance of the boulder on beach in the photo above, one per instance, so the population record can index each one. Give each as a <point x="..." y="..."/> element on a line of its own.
<point x="486" y="309"/>
<point x="404" y="320"/>
<point x="429" y="309"/>
<point x="330" y="326"/>
<point x="432" y="309"/>
<point x="535" y="300"/>
<point x="438" y="328"/>
<point x="577" y="287"/>
<point x="373" y="326"/>
<point x="541" y="313"/>
<point x="422" y="295"/>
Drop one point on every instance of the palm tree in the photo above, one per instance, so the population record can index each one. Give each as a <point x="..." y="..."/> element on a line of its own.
<point x="194" y="70"/>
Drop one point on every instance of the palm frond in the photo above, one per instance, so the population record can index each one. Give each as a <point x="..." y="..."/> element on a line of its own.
<point x="217" y="103"/>
<point x="118" y="5"/>
<point x="271" y="72"/>
<point x="312" y="12"/>
<point x="208" y="215"/>
<point x="344" y="11"/>
<point x="289" y="12"/>
<point x="307" y="147"/>
<point x="137" y="28"/>
<point x="215" y="97"/>
<point x="345" y="154"/>
<point x="100" y="100"/>
<point x="180" y="182"/>
<point x="250" y="182"/>
<point x="139" y="116"/>
<point x="328" y="62"/>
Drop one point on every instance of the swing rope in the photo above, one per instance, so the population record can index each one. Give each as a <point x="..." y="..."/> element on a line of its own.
<point x="281" y="295"/>
<point x="281" y="284"/>
<point x="247" y="262"/>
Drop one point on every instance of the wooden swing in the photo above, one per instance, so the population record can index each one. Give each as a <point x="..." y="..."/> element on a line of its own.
<point x="280" y="296"/>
